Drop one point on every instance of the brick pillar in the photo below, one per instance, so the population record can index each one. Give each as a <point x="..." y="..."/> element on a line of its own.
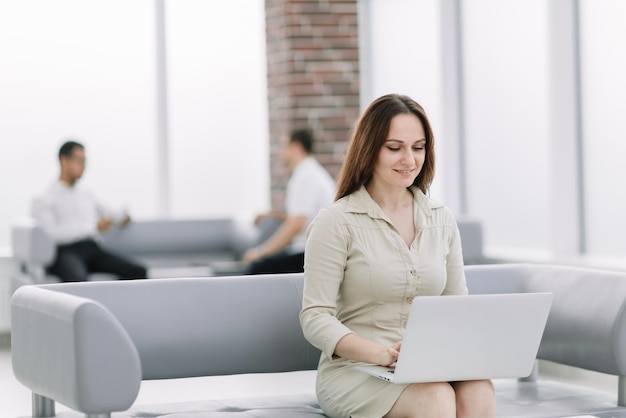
<point x="313" y="79"/>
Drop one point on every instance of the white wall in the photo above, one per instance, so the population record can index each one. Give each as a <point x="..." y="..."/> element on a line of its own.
<point x="506" y="109"/>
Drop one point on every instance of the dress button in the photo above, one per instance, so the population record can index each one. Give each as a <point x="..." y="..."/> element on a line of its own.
<point x="413" y="272"/>
<point x="409" y="299"/>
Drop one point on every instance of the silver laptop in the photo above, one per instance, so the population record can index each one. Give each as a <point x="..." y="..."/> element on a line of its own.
<point x="451" y="338"/>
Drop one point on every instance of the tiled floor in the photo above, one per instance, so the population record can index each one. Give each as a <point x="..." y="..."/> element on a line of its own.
<point x="15" y="399"/>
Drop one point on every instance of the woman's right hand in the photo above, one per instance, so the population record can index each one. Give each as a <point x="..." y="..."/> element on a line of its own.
<point x="359" y="349"/>
<point x="390" y="354"/>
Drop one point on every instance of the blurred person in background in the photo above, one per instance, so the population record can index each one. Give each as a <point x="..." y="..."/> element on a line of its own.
<point x="74" y="219"/>
<point x="310" y="188"/>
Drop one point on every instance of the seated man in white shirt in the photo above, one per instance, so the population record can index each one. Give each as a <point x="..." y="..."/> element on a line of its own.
<point x="309" y="189"/>
<point x="74" y="219"/>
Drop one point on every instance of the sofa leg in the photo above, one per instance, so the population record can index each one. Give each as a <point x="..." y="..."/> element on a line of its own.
<point x="621" y="390"/>
<point x="42" y="406"/>
<point x="97" y="415"/>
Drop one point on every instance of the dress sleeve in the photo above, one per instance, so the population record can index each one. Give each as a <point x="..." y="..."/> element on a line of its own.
<point x="455" y="284"/>
<point x="324" y="263"/>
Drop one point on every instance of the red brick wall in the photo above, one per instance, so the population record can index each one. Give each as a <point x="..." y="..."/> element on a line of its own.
<point x="313" y="78"/>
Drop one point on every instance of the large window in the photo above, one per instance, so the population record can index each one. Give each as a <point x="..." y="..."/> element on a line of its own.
<point x="396" y="62"/>
<point x="506" y="121"/>
<point x="83" y="70"/>
<point x="218" y="108"/>
<point x="536" y="110"/>
<point x="87" y="70"/>
<point x="603" y="62"/>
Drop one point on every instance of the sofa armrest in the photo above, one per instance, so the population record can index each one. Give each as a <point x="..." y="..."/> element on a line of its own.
<point x="587" y="323"/>
<point x="471" y="231"/>
<point x="171" y="237"/>
<point x="72" y="350"/>
<point x="32" y="248"/>
<point x="586" y="327"/>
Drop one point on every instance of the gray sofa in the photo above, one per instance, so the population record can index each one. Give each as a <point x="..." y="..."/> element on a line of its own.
<point x="170" y="248"/>
<point x="90" y="345"/>
<point x="180" y="248"/>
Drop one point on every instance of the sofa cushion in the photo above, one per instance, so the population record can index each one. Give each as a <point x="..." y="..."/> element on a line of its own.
<point x="545" y="398"/>
<point x="515" y="400"/>
<point x="291" y="406"/>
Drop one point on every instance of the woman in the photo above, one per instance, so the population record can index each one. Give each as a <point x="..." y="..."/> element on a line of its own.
<point x="379" y="245"/>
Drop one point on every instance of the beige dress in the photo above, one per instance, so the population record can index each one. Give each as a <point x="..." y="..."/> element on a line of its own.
<point x="361" y="277"/>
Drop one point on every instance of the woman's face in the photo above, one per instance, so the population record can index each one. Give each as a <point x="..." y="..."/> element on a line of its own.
<point x="402" y="156"/>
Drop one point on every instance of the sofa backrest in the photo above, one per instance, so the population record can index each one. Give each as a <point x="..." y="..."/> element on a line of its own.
<point x="166" y="243"/>
<point x="208" y="326"/>
<point x="156" y="241"/>
<point x="181" y="236"/>
<point x="587" y="323"/>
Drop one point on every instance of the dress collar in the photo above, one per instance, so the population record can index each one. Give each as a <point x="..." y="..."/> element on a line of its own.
<point x="361" y="202"/>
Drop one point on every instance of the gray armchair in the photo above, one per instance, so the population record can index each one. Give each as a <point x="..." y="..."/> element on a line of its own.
<point x="33" y="250"/>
